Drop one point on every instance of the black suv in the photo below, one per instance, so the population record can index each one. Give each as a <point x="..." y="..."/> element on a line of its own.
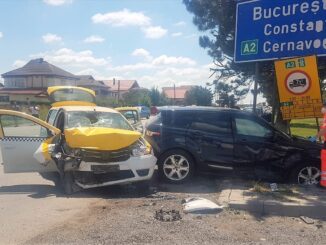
<point x="190" y="139"/>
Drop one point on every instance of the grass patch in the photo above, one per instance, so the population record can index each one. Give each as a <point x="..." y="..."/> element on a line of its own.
<point x="283" y="193"/>
<point x="304" y="127"/>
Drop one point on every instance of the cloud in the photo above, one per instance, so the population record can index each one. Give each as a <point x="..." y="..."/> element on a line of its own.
<point x="51" y="38"/>
<point x="172" y="60"/>
<point x="19" y="63"/>
<point x="140" y="52"/>
<point x="94" y="39"/>
<point x="128" y="18"/>
<point x="122" y="18"/>
<point x="172" y="75"/>
<point x="158" y="63"/>
<point x="180" y="23"/>
<point x="133" y="67"/>
<point x="69" y="57"/>
<point x="164" y="71"/>
<point x="177" y="34"/>
<point x="154" y="32"/>
<point x="57" y="2"/>
<point x="191" y="36"/>
<point x="1" y="35"/>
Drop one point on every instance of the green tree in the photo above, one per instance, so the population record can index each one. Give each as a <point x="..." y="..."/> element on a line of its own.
<point x="136" y="97"/>
<point x="157" y="98"/>
<point x="217" y="17"/>
<point x="199" y="95"/>
<point x="107" y="101"/>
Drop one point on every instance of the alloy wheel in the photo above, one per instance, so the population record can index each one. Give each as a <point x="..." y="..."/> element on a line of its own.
<point x="309" y="176"/>
<point x="176" y="167"/>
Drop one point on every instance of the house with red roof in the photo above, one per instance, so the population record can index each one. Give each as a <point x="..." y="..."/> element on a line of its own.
<point x="29" y="83"/>
<point x="177" y="94"/>
<point x="120" y="87"/>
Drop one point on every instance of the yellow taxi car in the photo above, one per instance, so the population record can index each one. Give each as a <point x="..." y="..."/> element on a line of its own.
<point x="133" y="117"/>
<point x="80" y="145"/>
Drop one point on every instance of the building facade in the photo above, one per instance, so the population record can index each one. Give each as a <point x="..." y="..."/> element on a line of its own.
<point x="29" y="83"/>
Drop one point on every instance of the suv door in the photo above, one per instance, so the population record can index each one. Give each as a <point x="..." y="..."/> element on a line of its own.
<point x="175" y="126"/>
<point x="255" y="149"/>
<point x="211" y="132"/>
<point x="24" y="143"/>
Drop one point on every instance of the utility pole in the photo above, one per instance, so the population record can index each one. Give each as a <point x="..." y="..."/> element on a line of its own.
<point x="174" y="93"/>
<point x="118" y="91"/>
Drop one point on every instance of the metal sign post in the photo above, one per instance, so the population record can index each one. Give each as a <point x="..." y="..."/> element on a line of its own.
<point x="254" y="108"/>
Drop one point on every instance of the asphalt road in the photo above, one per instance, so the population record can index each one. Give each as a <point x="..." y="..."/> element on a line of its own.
<point x="29" y="205"/>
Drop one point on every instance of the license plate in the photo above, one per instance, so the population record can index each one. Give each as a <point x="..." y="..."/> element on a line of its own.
<point x="105" y="168"/>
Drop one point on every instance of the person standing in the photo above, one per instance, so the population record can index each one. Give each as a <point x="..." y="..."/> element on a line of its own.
<point x="322" y="133"/>
<point x="35" y="111"/>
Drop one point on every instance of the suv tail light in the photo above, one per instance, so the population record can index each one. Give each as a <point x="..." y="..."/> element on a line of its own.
<point x="151" y="133"/>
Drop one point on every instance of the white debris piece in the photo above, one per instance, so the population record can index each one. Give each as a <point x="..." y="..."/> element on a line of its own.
<point x="274" y="187"/>
<point x="200" y="205"/>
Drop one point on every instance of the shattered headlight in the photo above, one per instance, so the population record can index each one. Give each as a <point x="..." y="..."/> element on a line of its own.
<point x="141" y="149"/>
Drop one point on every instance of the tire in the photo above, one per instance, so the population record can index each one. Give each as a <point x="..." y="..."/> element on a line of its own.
<point x="309" y="170"/>
<point x="174" y="171"/>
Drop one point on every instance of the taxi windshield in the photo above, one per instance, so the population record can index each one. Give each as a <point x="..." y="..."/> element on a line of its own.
<point x="96" y="119"/>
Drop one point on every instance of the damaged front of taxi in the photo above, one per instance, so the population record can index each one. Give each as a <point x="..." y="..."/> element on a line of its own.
<point x="99" y="148"/>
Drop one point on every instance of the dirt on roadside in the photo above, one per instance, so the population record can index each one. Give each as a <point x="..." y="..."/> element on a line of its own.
<point x="130" y="220"/>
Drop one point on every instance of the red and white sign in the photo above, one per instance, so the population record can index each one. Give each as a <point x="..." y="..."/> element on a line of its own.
<point x="298" y="82"/>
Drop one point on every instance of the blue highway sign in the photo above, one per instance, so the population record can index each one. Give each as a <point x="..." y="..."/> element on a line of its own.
<point x="275" y="29"/>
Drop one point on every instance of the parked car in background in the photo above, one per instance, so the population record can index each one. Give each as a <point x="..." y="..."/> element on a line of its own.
<point x="154" y="110"/>
<point x="133" y="117"/>
<point x="80" y="146"/>
<point x="144" y="112"/>
<point x="192" y="139"/>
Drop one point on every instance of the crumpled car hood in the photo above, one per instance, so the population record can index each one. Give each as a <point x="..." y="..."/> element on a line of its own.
<point x="103" y="139"/>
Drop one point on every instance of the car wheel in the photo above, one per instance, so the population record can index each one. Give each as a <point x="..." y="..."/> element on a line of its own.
<point x="306" y="174"/>
<point x="176" y="166"/>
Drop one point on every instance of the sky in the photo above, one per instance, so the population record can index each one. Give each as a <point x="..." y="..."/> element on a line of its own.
<point x="151" y="41"/>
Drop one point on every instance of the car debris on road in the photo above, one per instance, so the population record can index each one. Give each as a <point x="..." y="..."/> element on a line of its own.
<point x="200" y="205"/>
<point x="167" y="215"/>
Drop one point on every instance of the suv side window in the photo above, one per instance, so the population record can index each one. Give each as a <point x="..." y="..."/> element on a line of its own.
<point x="212" y="122"/>
<point x="249" y="127"/>
<point x="182" y="119"/>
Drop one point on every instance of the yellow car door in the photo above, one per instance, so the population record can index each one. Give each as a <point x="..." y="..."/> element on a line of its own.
<point x="26" y="142"/>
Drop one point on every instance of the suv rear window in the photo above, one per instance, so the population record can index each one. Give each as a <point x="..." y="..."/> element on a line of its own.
<point x="212" y="122"/>
<point x="183" y="119"/>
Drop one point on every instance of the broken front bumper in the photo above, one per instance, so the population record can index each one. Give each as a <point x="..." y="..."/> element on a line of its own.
<point x="132" y="170"/>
